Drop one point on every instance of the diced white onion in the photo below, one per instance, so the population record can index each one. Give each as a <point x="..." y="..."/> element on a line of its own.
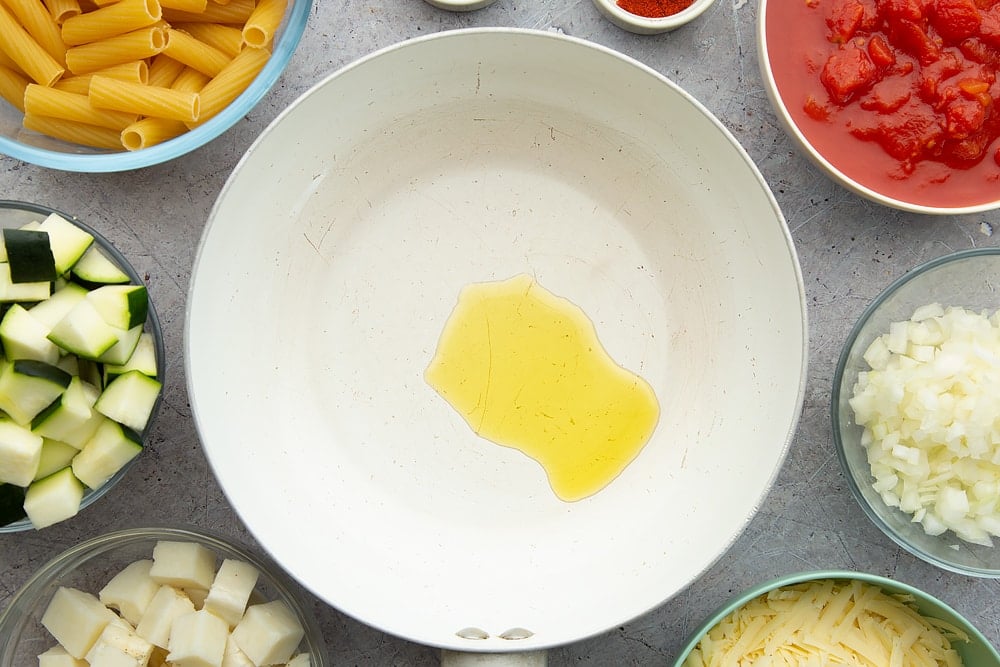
<point x="930" y="409"/>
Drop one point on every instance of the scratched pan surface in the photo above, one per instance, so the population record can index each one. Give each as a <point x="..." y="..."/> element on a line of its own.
<point x="336" y="252"/>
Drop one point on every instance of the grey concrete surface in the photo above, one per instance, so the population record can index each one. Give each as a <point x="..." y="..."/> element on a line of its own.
<point x="849" y="249"/>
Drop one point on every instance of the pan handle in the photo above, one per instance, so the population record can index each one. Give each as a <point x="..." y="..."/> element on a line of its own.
<point x="519" y="659"/>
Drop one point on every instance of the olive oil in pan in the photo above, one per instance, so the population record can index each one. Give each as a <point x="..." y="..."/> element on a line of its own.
<point x="526" y="370"/>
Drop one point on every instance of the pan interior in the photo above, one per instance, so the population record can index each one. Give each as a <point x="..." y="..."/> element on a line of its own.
<point x="336" y="253"/>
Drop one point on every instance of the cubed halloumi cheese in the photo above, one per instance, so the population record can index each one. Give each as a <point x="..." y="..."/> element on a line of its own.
<point x="76" y="619"/>
<point x="231" y="589"/>
<point x="57" y="656"/>
<point x="301" y="660"/>
<point x="130" y="591"/>
<point x="183" y="564"/>
<point x="198" y="639"/>
<point x="167" y="604"/>
<point x="234" y="656"/>
<point x="269" y="633"/>
<point x="119" y="637"/>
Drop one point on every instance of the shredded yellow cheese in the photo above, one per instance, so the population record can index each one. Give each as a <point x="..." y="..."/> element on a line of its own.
<point x="828" y="622"/>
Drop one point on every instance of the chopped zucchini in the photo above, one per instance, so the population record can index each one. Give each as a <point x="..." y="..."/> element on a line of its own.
<point x="55" y="456"/>
<point x="143" y="359"/>
<point x="28" y="386"/>
<point x="121" y="306"/>
<point x="23" y="292"/>
<point x="67" y="241"/>
<point x="58" y="305"/>
<point x="29" y="256"/>
<point x="107" y="452"/>
<point x="84" y="332"/>
<point x="68" y="413"/>
<point x="24" y="337"/>
<point x="11" y="503"/>
<point x="54" y="498"/>
<point x="94" y="268"/>
<point x="129" y="399"/>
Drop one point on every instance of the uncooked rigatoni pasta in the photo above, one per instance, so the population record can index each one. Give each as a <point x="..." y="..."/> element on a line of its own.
<point x="263" y="23"/>
<point x="194" y="53"/>
<point x="45" y="101"/>
<point x="130" y="73"/>
<point x="60" y="10"/>
<point x="38" y="23"/>
<point x="12" y="85"/>
<point x="27" y="54"/>
<point x="231" y="81"/>
<point x="73" y="132"/>
<point x="142" y="43"/>
<point x="116" y="19"/>
<point x="144" y="100"/>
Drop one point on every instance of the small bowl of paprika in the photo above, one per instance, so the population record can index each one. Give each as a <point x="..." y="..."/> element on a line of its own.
<point x="650" y="17"/>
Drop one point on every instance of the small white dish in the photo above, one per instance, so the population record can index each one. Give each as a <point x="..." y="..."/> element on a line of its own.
<point x="643" y="25"/>
<point x="460" y="5"/>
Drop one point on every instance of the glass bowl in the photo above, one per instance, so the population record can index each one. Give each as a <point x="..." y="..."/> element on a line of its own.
<point x="17" y="213"/>
<point x="968" y="279"/>
<point x="976" y="651"/>
<point x="35" y="148"/>
<point x="90" y="564"/>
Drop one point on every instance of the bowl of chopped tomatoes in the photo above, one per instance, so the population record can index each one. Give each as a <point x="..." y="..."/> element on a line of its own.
<point x="897" y="100"/>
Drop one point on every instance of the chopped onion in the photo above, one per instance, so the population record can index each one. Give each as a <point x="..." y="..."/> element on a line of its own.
<point x="930" y="409"/>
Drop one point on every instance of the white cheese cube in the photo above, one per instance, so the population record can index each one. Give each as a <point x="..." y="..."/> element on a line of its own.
<point x="198" y="639"/>
<point x="57" y="656"/>
<point x="234" y="657"/>
<point x="197" y="596"/>
<point x="166" y="605"/>
<point x="130" y="590"/>
<point x="119" y="637"/>
<point x="269" y="633"/>
<point x="183" y="564"/>
<point x="230" y="592"/>
<point x="76" y="619"/>
<point x="301" y="660"/>
<point x="106" y="655"/>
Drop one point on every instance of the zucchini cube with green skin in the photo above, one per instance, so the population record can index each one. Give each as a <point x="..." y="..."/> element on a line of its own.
<point x="57" y="656"/>
<point x="58" y="305"/>
<point x="94" y="268"/>
<point x="20" y="452"/>
<point x="122" y="351"/>
<point x="11" y="503"/>
<point x="83" y="332"/>
<point x="29" y="255"/>
<point x="67" y="241"/>
<point x="121" y="306"/>
<point x="129" y="399"/>
<point x="28" y="386"/>
<point x="130" y="591"/>
<point x="107" y="452"/>
<point x="56" y="455"/>
<point x="53" y="499"/>
<point x="63" y="418"/>
<point x="143" y="359"/>
<point x="24" y="292"/>
<point x="269" y="633"/>
<point x="76" y="619"/>
<point x="198" y="639"/>
<point x="25" y="337"/>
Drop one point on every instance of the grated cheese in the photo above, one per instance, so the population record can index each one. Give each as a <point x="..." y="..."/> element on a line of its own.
<point x="828" y="622"/>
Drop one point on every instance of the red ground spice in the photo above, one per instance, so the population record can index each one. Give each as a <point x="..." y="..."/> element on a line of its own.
<point x="654" y="9"/>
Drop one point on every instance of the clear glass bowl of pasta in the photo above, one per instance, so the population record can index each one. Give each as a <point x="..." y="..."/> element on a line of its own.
<point x="135" y="83"/>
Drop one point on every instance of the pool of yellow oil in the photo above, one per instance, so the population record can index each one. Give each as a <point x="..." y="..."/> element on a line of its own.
<point x="525" y="369"/>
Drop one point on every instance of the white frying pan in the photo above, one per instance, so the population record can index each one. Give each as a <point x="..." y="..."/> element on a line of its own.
<point x="334" y="256"/>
